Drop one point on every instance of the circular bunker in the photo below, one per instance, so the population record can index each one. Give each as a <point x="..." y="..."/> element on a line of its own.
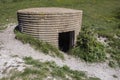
<point x="57" y="26"/>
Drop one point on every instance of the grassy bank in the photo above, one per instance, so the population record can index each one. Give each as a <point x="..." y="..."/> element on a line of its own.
<point x="38" y="44"/>
<point x="47" y="71"/>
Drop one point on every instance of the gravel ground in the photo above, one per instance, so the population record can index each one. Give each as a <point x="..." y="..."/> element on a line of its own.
<point x="11" y="46"/>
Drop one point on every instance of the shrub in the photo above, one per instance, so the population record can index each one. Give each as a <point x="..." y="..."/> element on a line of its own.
<point x="88" y="48"/>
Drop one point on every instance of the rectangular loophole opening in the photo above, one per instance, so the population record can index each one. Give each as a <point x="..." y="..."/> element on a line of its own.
<point x="66" y="40"/>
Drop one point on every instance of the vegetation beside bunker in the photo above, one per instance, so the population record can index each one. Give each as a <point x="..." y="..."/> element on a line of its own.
<point x="38" y="44"/>
<point x="114" y="43"/>
<point x="37" y="70"/>
<point x="88" y="48"/>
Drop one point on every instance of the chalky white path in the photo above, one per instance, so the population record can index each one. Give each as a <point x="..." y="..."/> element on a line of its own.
<point x="8" y="63"/>
<point x="11" y="46"/>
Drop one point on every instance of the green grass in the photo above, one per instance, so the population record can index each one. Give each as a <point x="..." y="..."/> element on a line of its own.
<point x="41" y="70"/>
<point x="38" y="44"/>
<point x="102" y="15"/>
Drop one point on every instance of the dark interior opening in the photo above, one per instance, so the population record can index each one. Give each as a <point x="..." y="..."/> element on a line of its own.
<point x="66" y="40"/>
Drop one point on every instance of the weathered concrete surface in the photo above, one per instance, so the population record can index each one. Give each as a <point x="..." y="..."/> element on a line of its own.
<point x="47" y="23"/>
